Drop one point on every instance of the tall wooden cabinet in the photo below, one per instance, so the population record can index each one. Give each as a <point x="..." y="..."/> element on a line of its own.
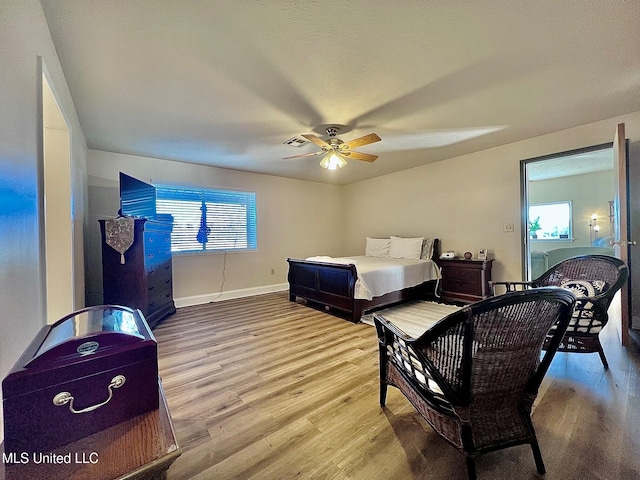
<point x="144" y="281"/>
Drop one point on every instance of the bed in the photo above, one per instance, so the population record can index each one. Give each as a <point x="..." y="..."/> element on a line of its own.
<point x="350" y="286"/>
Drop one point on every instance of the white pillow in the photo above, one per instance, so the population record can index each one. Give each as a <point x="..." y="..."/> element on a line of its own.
<point x="377" y="247"/>
<point x="406" y="247"/>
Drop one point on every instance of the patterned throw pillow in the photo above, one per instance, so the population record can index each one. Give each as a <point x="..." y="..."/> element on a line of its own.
<point x="584" y="288"/>
<point x="582" y="319"/>
<point x="427" y="249"/>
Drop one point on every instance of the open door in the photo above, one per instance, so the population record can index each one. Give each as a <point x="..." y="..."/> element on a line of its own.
<point x="622" y="242"/>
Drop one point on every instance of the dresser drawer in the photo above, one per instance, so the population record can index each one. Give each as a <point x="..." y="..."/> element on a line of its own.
<point x="157" y="248"/>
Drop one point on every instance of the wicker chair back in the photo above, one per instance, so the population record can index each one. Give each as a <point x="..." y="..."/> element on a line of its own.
<point x="594" y="279"/>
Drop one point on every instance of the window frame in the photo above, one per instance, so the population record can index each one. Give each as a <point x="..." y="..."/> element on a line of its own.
<point x="569" y="237"/>
<point x="239" y="226"/>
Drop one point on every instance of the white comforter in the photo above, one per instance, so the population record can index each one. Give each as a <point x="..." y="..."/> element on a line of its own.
<point x="377" y="276"/>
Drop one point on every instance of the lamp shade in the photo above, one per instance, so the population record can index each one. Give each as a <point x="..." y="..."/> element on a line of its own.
<point x="332" y="161"/>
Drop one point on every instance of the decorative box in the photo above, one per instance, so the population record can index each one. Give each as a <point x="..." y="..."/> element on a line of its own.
<point x="88" y="371"/>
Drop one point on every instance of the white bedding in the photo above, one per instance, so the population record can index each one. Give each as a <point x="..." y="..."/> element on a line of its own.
<point x="378" y="276"/>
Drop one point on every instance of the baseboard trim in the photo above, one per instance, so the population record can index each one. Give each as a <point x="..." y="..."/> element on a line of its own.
<point x="229" y="295"/>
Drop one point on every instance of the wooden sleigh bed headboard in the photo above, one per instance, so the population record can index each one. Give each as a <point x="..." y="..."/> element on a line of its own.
<point x="331" y="286"/>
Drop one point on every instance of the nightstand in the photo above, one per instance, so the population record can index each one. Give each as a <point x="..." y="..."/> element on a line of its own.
<point x="465" y="281"/>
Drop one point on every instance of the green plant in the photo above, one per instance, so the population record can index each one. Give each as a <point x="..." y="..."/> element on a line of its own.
<point x="534" y="225"/>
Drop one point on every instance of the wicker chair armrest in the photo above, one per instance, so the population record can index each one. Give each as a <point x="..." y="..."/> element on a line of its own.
<point x="390" y="327"/>
<point x="510" y="286"/>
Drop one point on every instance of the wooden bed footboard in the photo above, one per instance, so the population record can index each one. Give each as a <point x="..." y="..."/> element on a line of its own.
<point x="332" y="286"/>
<point x="327" y="284"/>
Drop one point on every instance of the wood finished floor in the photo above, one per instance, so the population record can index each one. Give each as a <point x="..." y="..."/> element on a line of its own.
<point x="264" y="388"/>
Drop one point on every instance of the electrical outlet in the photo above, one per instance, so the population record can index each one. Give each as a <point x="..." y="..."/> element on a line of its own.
<point x="508" y="227"/>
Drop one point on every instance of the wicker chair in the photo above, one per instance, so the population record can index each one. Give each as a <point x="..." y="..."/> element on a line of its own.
<point x="475" y="374"/>
<point x="594" y="279"/>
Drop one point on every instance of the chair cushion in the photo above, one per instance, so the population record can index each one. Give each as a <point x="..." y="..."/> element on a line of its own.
<point x="583" y="320"/>
<point x="584" y="288"/>
<point x="407" y="361"/>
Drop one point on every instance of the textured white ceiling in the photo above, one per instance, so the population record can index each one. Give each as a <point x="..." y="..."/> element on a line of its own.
<point x="571" y="164"/>
<point x="225" y="83"/>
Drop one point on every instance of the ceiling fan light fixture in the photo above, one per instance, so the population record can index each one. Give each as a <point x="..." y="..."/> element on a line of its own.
<point x="332" y="161"/>
<point x="335" y="152"/>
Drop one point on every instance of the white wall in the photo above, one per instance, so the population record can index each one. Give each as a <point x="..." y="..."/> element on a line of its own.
<point x="295" y="219"/>
<point x="465" y="201"/>
<point x="24" y="36"/>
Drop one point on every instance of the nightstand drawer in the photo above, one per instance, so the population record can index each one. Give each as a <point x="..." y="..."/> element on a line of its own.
<point x="465" y="281"/>
<point x="462" y="280"/>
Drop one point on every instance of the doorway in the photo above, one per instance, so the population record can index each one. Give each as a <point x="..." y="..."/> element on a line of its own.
<point x="567" y="207"/>
<point x="57" y="209"/>
<point x="621" y="216"/>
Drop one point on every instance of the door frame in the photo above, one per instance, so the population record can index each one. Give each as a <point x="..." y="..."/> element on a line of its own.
<point x="57" y="239"/>
<point x="622" y="224"/>
<point x="524" y="196"/>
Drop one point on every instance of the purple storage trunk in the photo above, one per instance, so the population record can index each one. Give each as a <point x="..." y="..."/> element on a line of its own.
<point x="90" y="370"/>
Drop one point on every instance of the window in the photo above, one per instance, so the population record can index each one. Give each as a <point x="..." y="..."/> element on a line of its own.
<point x="550" y="221"/>
<point x="209" y="220"/>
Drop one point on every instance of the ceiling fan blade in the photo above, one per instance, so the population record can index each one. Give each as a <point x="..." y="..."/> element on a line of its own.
<point x="305" y="155"/>
<point x="359" y="142"/>
<point x="365" y="157"/>
<point x="317" y="140"/>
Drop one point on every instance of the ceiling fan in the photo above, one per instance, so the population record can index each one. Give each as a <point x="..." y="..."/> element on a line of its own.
<point x="336" y="152"/>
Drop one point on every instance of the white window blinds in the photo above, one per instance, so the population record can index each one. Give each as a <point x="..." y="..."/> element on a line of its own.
<point x="209" y="220"/>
